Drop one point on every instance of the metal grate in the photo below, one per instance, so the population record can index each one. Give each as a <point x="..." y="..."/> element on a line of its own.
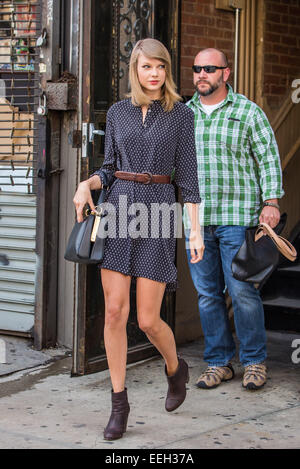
<point x="20" y="27"/>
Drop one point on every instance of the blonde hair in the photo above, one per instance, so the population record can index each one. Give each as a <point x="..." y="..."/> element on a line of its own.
<point x="153" y="49"/>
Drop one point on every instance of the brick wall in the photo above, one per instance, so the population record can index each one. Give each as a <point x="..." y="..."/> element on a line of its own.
<point x="282" y="49"/>
<point x="202" y="25"/>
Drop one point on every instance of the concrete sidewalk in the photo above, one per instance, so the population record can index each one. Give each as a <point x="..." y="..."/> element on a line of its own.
<point x="43" y="407"/>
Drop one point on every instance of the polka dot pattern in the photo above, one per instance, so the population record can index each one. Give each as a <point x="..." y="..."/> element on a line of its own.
<point x="163" y="142"/>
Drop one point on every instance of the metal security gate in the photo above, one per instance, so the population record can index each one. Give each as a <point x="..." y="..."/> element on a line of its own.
<point x="19" y="97"/>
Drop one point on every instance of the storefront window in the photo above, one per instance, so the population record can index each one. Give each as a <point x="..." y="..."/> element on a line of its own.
<point x="19" y="28"/>
<point x="17" y="32"/>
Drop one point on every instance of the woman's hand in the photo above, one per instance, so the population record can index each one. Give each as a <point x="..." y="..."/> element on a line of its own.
<point x="82" y="197"/>
<point x="196" y="246"/>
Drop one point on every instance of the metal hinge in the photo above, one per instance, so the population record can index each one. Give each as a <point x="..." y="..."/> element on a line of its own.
<point x="56" y="171"/>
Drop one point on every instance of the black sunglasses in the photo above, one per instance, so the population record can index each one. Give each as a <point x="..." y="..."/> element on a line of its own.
<point x="207" y="68"/>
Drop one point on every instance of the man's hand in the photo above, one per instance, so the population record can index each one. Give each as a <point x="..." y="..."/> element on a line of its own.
<point x="270" y="215"/>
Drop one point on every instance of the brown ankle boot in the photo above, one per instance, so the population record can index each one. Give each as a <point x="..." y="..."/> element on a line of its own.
<point x="119" y="415"/>
<point x="177" y="390"/>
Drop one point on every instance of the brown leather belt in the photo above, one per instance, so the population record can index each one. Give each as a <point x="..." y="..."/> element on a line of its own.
<point x="144" y="178"/>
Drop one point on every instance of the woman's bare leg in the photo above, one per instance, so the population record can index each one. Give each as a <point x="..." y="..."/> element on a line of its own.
<point x="116" y="287"/>
<point x="149" y="296"/>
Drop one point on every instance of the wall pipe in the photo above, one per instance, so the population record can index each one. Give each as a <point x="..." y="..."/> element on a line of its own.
<point x="236" y="48"/>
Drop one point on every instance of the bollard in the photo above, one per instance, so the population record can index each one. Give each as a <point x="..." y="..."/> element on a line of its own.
<point x="3" y="357"/>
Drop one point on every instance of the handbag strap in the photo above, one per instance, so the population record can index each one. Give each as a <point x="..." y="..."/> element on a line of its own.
<point x="104" y="189"/>
<point x="102" y="195"/>
<point x="282" y="244"/>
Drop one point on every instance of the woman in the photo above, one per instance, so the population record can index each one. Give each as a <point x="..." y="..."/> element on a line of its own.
<point x="147" y="137"/>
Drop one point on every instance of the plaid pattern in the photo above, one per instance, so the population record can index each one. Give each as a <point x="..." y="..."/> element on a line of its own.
<point x="238" y="161"/>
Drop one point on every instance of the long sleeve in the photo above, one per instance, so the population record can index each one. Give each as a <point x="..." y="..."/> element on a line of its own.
<point x="106" y="172"/>
<point x="265" y="150"/>
<point x="186" y="174"/>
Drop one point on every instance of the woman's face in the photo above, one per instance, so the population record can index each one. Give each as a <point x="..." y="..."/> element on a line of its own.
<point x="151" y="75"/>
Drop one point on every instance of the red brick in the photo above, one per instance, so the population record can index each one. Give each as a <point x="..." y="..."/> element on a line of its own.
<point x="187" y="18"/>
<point x="270" y="79"/>
<point x="272" y="37"/>
<point x="209" y="9"/>
<point x="228" y="35"/>
<point x="279" y="90"/>
<point x="215" y="32"/>
<point x="187" y="62"/>
<point x="278" y="28"/>
<point x="286" y="60"/>
<point x="294" y="31"/>
<point x="224" y="23"/>
<point x="188" y="6"/>
<point x="289" y="40"/>
<point x="293" y="71"/>
<point x="280" y="49"/>
<point x="277" y="69"/>
<point x="224" y="44"/>
<point x="274" y="102"/>
<point x="288" y="19"/>
<point x="272" y="58"/>
<point x="190" y="51"/>
<point x="274" y="17"/>
<point x="206" y="20"/>
<point x="294" y="52"/>
<point x="294" y="11"/>
<point x="275" y="7"/>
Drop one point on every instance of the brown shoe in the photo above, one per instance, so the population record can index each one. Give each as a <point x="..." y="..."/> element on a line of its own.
<point x="255" y="377"/>
<point x="214" y="375"/>
<point x="177" y="390"/>
<point x="117" y="424"/>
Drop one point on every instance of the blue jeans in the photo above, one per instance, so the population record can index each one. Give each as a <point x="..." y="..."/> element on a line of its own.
<point x="210" y="277"/>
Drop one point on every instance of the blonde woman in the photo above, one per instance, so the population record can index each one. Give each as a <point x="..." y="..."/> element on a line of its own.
<point x="148" y="135"/>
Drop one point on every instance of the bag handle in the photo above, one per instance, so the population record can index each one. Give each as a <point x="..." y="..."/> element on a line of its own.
<point x="282" y="244"/>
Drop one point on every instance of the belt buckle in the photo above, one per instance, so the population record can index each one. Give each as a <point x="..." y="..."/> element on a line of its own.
<point x="150" y="176"/>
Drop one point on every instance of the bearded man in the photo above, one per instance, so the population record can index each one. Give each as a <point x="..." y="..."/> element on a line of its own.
<point x="240" y="182"/>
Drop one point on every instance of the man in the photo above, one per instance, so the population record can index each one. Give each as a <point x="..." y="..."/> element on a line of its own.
<point x="240" y="183"/>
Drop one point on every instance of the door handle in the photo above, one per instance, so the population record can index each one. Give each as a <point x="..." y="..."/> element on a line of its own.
<point x="94" y="132"/>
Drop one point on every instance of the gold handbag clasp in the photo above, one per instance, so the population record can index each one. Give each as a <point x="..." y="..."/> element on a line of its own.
<point x="97" y="213"/>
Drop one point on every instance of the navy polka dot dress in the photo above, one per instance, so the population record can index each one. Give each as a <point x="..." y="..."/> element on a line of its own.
<point x="164" y="142"/>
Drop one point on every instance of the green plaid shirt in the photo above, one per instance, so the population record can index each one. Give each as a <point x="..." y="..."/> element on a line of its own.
<point x="238" y="161"/>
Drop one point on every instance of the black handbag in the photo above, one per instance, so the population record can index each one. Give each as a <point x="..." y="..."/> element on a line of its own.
<point x="84" y="246"/>
<point x="259" y="255"/>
